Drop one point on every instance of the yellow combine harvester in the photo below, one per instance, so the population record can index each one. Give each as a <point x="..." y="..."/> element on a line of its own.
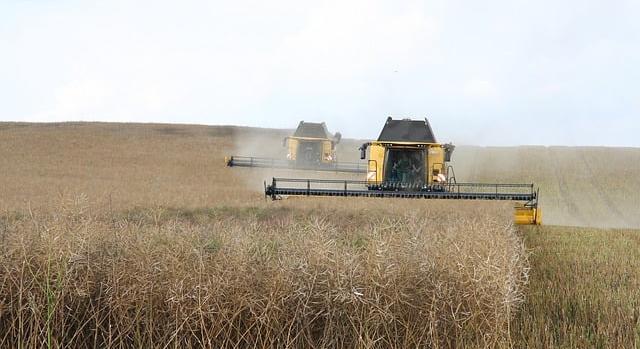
<point x="407" y="162"/>
<point x="312" y="144"/>
<point x="311" y="147"/>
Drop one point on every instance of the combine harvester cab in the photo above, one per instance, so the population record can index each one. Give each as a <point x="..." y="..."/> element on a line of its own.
<point x="311" y="147"/>
<point x="406" y="156"/>
<point x="407" y="162"/>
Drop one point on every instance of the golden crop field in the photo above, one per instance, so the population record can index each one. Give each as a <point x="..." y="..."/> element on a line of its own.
<point x="136" y="235"/>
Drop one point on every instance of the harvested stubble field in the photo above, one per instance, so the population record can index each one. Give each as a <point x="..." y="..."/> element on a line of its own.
<point x="580" y="186"/>
<point x="128" y="235"/>
<point x="584" y="289"/>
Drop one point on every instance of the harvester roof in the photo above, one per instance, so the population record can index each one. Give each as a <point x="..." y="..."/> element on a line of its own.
<point x="312" y="130"/>
<point x="406" y="130"/>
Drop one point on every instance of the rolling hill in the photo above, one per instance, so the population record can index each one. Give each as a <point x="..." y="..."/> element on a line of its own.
<point x="177" y="165"/>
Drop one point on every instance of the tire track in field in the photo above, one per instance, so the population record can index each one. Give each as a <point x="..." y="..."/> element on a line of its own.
<point x="606" y="199"/>
<point x="565" y="194"/>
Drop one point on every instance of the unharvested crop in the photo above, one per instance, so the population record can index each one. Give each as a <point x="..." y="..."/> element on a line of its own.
<point x="260" y="276"/>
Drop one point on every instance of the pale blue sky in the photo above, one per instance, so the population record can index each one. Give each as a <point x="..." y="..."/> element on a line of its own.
<point x="484" y="72"/>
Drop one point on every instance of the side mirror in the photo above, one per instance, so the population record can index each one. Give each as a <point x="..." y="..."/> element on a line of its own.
<point x="448" y="151"/>
<point x="363" y="151"/>
<point x="337" y="137"/>
<point x="284" y="141"/>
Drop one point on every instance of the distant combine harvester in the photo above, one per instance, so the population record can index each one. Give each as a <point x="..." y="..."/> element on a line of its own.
<point x="311" y="147"/>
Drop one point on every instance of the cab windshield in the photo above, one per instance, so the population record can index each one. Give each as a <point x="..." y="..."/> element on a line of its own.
<point x="405" y="166"/>
<point x="309" y="152"/>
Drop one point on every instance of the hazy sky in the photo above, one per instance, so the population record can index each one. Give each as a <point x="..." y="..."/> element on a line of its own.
<point x="484" y="72"/>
